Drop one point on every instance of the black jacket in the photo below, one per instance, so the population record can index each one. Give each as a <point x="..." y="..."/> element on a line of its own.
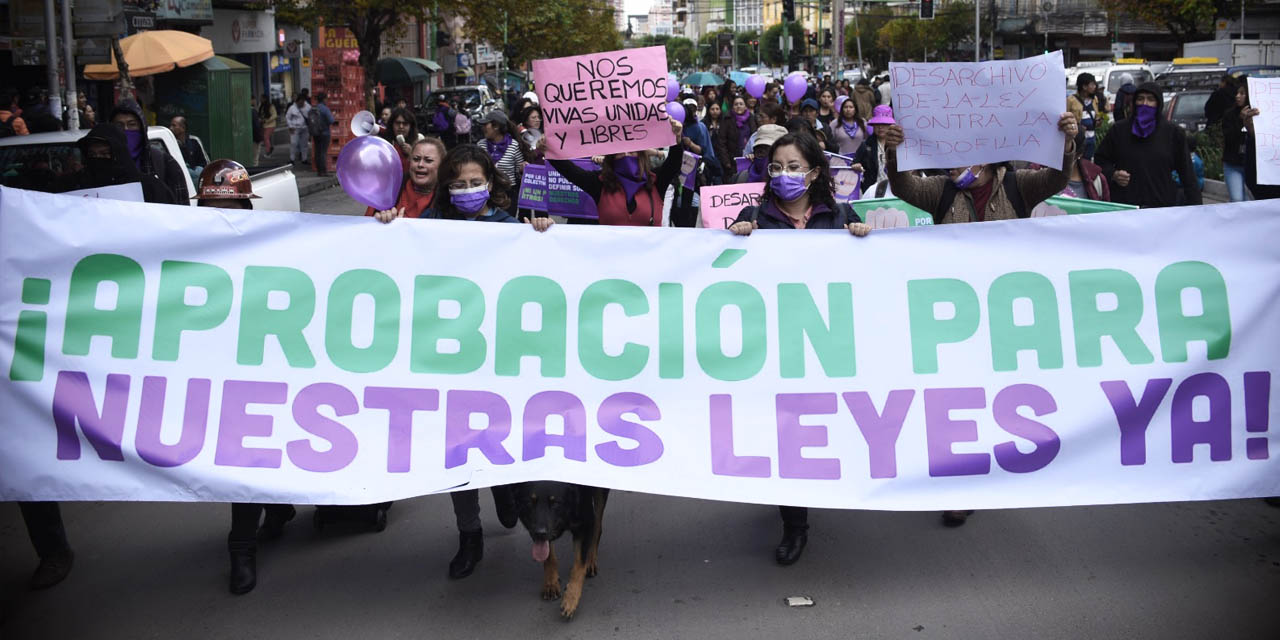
<point x="120" y="170"/>
<point x="157" y="162"/>
<point x="1233" y="137"/>
<point x="1150" y="161"/>
<point x="768" y="216"/>
<point x="869" y="157"/>
<point x="728" y="142"/>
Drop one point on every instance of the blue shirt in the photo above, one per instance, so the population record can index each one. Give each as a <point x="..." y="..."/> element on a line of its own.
<point x="325" y="113"/>
<point x="700" y="136"/>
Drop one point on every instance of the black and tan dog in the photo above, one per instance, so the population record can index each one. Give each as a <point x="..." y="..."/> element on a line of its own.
<point x="548" y="509"/>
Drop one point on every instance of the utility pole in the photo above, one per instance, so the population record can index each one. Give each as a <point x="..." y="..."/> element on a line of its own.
<point x="977" y="31"/>
<point x="502" y="65"/>
<point x="51" y="60"/>
<point x="72" y="100"/>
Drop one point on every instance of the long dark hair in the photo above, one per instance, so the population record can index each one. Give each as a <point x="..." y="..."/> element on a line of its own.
<point x="452" y="167"/>
<point x="389" y="133"/>
<point x="528" y="111"/>
<point x="609" y="179"/>
<point x="822" y="189"/>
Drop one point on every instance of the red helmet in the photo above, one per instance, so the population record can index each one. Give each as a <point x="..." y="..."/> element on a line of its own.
<point x="224" y="180"/>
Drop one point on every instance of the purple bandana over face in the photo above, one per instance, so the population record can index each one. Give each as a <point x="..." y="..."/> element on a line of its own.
<point x="756" y="172"/>
<point x="1144" y="121"/>
<point x="627" y="168"/>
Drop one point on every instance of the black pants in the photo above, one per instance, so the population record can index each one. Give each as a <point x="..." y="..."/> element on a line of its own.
<point x="683" y="213"/>
<point x="321" y="151"/>
<point x="466" y="506"/>
<point x="795" y="517"/>
<point x="245" y="518"/>
<point x="44" y="527"/>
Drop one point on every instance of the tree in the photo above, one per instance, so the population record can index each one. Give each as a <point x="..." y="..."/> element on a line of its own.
<point x="913" y="39"/>
<point x="368" y="20"/>
<point x="772" y="37"/>
<point x="707" y="53"/>
<point x="870" y="22"/>
<point x="746" y="51"/>
<point x="1189" y="20"/>
<point x="680" y="52"/>
<point x="557" y="28"/>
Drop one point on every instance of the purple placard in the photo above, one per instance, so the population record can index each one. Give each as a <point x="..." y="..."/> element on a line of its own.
<point x="742" y="163"/>
<point x="689" y="170"/>
<point x="565" y="199"/>
<point x="848" y="184"/>
<point x="533" y="188"/>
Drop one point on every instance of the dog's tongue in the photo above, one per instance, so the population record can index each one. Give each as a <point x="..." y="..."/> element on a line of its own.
<point x="541" y="549"/>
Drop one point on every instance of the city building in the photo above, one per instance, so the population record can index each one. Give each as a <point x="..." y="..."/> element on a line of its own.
<point x="639" y="24"/>
<point x="748" y="15"/>
<point x="661" y="18"/>
<point x="619" y="14"/>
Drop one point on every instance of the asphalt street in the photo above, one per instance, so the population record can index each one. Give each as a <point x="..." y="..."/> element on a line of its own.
<point x="669" y="568"/>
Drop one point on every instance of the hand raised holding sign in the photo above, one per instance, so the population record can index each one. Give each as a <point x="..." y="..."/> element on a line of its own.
<point x="893" y="137"/>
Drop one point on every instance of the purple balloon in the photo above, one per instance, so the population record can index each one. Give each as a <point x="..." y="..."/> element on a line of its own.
<point x="794" y="87"/>
<point x="673" y="87"/>
<point x="676" y="111"/>
<point x="755" y="86"/>
<point x="840" y="102"/>
<point x="369" y="170"/>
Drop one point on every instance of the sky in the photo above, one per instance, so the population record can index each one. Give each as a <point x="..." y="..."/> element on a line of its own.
<point x="637" y="7"/>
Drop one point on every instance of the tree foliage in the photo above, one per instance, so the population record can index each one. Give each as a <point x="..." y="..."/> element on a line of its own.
<point x="368" y="20"/>
<point x="707" y="53"/>
<point x="868" y="26"/>
<point x="1187" y="19"/>
<point x="552" y="29"/>
<point x="680" y="52"/>
<point x="746" y="51"/>
<point x="907" y="38"/>
<point x="772" y="35"/>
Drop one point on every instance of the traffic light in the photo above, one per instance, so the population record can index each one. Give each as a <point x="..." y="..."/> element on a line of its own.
<point x="826" y="37"/>
<point x="788" y="10"/>
<point x="443" y="39"/>
<point x="926" y="9"/>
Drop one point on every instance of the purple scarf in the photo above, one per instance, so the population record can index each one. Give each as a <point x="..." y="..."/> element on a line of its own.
<point x="851" y="129"/>
<point x="744" y="132"/>
<point x="1144" y="121"/>
<point x="498" y="149"/>
<point x="627" y="169"/>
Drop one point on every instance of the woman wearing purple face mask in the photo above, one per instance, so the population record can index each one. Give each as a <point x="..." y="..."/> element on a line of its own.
<point x="469" y="187"/>
<point x="799" y="195"/>
<point x="627" y="192"/>
<point x="1141" y="154"/>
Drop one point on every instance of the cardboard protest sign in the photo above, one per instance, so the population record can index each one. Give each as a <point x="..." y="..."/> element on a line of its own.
<point x="956" y="114"/>
<point x="689" y="169"/>
<point x="1264" y="95"/>
<point x="603" y="103"/>
<point x="131" y="192"/>
<point x="565" y="199"/>
<point x="721" y="204"/>
<point x="533" y="188"/>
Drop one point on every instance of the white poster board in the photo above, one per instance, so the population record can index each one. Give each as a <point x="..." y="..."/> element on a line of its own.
<point x="1264" y="95"/>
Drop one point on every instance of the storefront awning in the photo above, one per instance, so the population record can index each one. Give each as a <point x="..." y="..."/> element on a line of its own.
<point x="400" y="71"/>
<point x="429" y="65"/>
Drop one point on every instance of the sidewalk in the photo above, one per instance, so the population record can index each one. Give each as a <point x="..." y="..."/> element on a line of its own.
<point x="308" y="181"/>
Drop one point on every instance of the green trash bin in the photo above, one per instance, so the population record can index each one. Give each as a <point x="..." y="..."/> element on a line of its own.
<point x="216" y="98"/>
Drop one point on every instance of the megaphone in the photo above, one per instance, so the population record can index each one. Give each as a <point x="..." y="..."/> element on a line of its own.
<point x="364" y="123"/>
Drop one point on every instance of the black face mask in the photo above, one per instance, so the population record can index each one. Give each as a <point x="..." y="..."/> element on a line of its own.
<point x="104" y="170"/>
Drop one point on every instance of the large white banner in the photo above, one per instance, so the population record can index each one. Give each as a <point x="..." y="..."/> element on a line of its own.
<point x="174" y="353"/>
<point x="957" y="114"/>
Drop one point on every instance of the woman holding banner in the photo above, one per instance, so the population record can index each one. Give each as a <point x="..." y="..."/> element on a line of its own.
<point x="470" y="187"/>
<point x="626" y="190"/>
<point x="419" y="187"/>
<point x="798" y="195"/>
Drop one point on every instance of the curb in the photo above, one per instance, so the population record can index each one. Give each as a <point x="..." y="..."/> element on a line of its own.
<point x="315" y="185"/>
<point x="1216" y="189"/>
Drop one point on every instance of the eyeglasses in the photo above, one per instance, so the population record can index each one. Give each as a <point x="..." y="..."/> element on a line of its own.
<point x="458" y="184"/>
<point x="776" y="169"/>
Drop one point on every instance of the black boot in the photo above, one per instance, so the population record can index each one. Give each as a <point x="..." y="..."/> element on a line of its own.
<point x="244" y="567"/>
<point x="955" y="518"/>
<point x="52" y="570"/>
<point x="793" y="541"/>
<point x="470" y="551"/>
<point x="273" y="524"/>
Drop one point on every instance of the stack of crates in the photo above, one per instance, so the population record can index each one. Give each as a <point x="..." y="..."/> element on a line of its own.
<point x="337" y="72"/>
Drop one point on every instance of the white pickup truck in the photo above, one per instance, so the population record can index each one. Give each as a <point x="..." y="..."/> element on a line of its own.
<point x="35" y="161"/>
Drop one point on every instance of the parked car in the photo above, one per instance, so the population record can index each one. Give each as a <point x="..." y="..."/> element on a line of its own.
<point x="1186" y="109"/>
<point x="35" y="161"/>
